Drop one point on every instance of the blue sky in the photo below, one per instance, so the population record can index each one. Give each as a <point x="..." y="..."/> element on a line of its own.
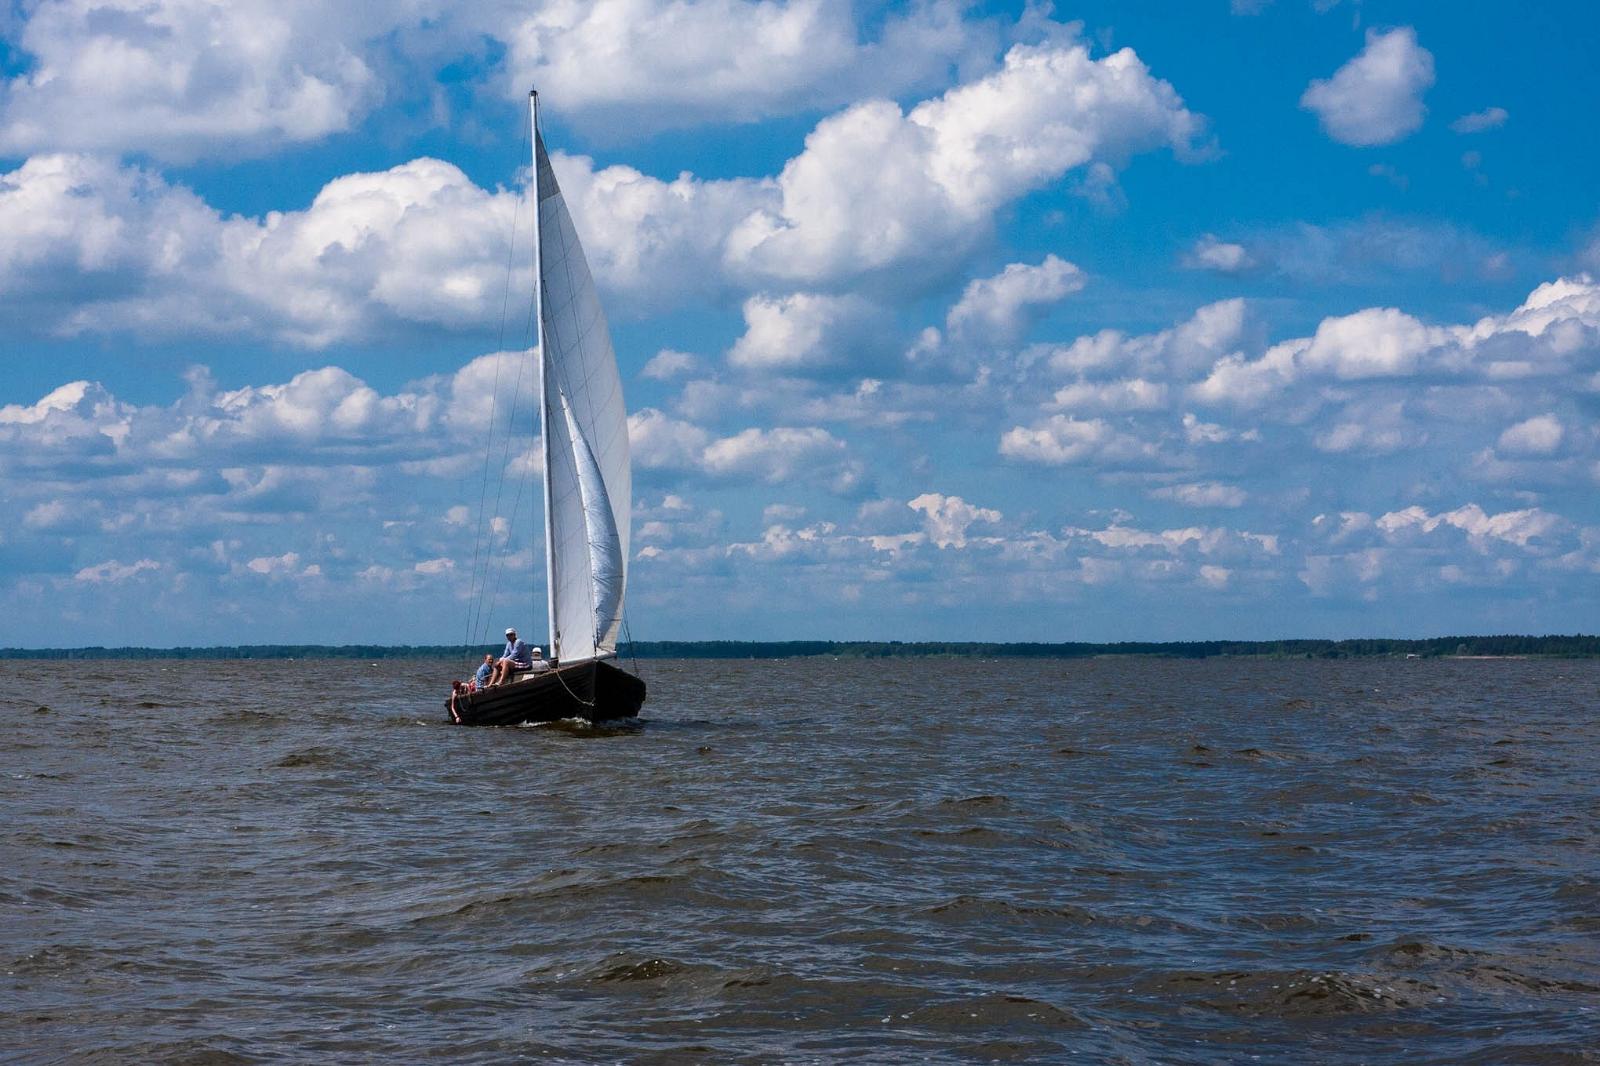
<point x="940" y="320"/>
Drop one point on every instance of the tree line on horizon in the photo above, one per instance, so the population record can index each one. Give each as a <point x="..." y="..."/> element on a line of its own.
<point x="1562" y="646"/>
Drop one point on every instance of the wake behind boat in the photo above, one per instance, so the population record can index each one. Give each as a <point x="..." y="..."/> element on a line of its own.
<point x="588" y="488"/>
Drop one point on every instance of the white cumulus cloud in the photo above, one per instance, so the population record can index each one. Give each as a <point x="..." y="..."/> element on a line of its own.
<point x="667" y="364"/>
<point x="772" y="454"/>
<point x="1377" y="342"/>
<point x="999" y="309"/>
<point x="1203" y="494"/>
<point x="1487" y="119"/>
<point x="185" y="79"/>
<point x="640" y="65"/>
<point x="805" y="331"/>
<point x="879" y="188"/>
<point x="1062" y="439"/>
<point x="896" y="197"/>
<point x="1539" y="435"/>
<point x="275" y="565"/>
<point x="1520" y="527"/>
<point x="660" y="442"/>
<point x="1186" y="349"/>
<point x="1375" y="98"/>
<point x="1211" y="252"/>
<point x="946" y="519"/>
<point x="1133" y="394"/>
<point x="418" y="244"/>
<point x="112" y="571"/>
<point x="657" y="441"/>
<point x="181" y="79"/>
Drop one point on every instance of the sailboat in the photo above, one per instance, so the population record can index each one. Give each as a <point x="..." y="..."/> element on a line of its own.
<point x="588" y="486"/>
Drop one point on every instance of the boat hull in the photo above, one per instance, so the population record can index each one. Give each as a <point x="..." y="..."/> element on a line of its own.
<point x="595" y="690"/>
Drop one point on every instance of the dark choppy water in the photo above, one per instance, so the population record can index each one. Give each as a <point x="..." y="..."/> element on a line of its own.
<point x="1128" y="861"/>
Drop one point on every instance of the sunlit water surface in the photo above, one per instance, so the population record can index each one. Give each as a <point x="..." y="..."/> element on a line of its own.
<point x="1135" y="861"/>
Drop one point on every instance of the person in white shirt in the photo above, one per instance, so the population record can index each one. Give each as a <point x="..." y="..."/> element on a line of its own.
<point x="519" y="657"/>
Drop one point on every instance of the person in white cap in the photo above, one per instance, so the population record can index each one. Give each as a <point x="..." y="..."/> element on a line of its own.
<point x="517" y="656"/>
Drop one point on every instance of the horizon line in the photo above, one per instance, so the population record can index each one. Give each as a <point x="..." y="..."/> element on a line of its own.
<point x="1469" y="644"/>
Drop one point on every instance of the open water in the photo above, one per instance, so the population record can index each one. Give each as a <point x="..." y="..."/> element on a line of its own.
<point x="1123" y="861"/>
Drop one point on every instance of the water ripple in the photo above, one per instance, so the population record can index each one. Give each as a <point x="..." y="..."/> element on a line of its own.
<point x="1131" y="861"/>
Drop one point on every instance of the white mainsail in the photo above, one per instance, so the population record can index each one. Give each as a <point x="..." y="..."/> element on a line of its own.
<point x="588" y="477"/>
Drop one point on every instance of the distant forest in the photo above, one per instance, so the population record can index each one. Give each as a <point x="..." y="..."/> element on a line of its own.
<point x="1576" y="646"/>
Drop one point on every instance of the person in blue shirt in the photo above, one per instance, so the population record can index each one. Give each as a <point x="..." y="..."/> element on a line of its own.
<point x="479" y="682"/>
<point x="517" y="656"/>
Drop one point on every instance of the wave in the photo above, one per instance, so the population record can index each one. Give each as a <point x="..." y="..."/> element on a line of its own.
<point x="1292" y="993"/>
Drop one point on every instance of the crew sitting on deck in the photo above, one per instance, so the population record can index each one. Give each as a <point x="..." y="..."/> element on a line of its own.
<point x="518" y="658"/>
<point x="480" y="680"/>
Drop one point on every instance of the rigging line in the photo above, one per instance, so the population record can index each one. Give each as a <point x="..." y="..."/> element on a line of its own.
<point x="474" y="595"/>
<point x="632" y="651"/>
<point x="483" y="574"/>
<point x="575" y="697"/>
<point x="476" y="615"/>
<point x="492" y="590"/>
<point x="475" y="592"/>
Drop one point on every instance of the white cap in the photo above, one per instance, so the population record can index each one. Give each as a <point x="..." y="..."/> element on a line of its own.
<point x="538" y="651"/>
<point x="510" y="632"/>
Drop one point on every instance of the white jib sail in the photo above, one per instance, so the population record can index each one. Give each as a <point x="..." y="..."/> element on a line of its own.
<point x="590" y="482"/>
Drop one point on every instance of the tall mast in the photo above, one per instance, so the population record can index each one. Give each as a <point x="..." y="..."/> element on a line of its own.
<point x="544" y="381"/>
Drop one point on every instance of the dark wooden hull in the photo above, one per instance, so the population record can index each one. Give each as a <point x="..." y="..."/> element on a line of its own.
<point x="595" y="690"/>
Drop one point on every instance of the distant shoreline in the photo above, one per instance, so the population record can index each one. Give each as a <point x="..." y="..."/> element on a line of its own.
<point x="1576" y="646"/>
